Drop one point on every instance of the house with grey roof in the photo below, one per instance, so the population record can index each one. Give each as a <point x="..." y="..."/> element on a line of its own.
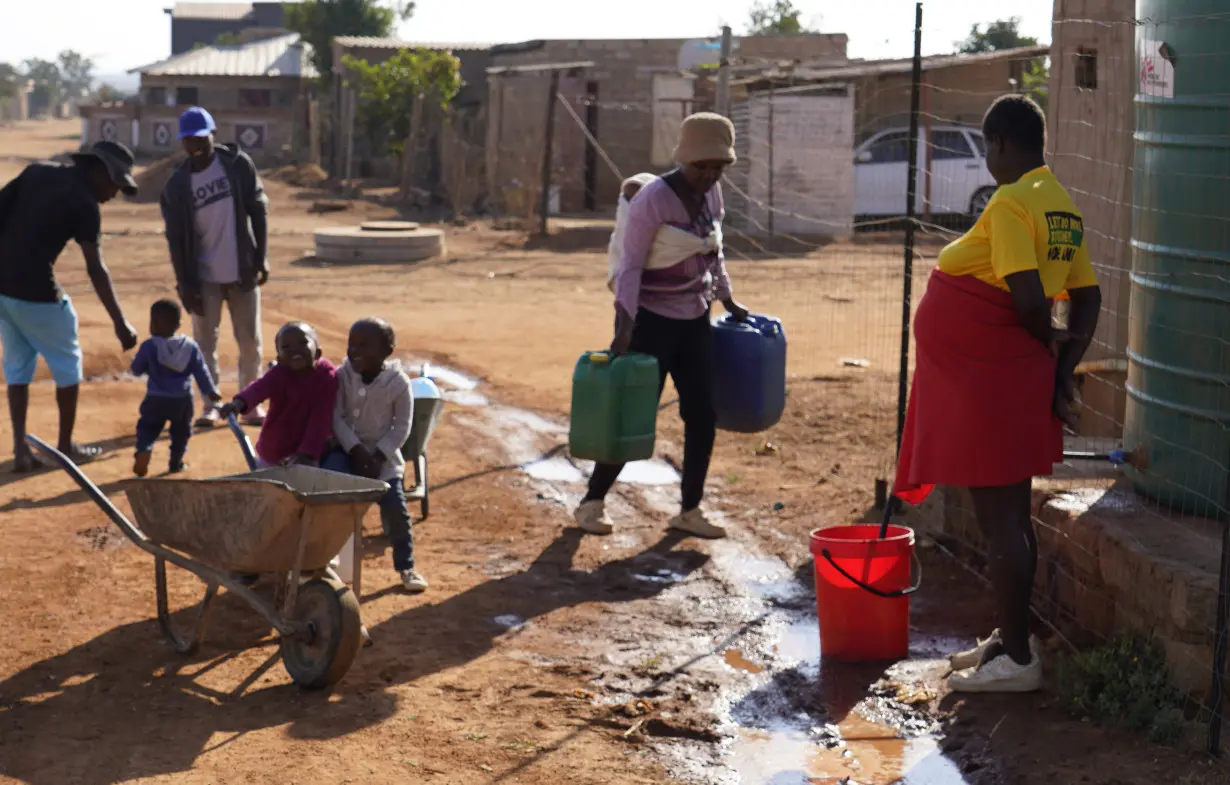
<point x="203" y="24"/>
<point x="258" y="93"/>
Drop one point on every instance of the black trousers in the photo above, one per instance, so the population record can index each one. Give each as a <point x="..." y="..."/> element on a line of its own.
<point x="157" y="412"/>
<point x="684" y="350"/>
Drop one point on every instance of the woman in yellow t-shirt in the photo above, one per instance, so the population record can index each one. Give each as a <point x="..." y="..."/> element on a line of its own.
<point x="993" y="384"/>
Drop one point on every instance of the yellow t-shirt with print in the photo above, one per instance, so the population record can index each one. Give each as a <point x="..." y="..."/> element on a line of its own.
<point x="1032" y="224"/>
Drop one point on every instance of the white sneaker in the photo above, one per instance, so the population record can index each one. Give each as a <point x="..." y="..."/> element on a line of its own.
<point x="591" y="517"/>
<point x="1001" y="674"/>
<point x="413" y="581"/>
<point x="972" y="658"/>
<point x="694" y="522"/>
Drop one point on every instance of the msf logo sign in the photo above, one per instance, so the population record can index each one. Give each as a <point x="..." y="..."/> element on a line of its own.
<point x="1157" y="64"/>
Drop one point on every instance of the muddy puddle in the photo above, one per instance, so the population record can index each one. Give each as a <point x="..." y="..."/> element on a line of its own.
<point x="744" y="663"/>
<point x="532" y="443"/>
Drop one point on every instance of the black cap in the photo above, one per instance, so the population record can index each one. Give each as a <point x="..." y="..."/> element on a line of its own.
<point x="119" y="162"/>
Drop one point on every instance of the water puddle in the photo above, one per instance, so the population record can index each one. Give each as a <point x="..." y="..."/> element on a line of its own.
<point x="466" y="398"/>
<point x="532" y="442"/>
<point x="799" y="644"/>
<point x="763" y="577"/>
<point x="735" y="659"/>
<point x="509" y="621"/>
<point x="652" y="472"/>
<point x="554" y="470"/>
<point x="450" y="377"/>
<point x="785" y="717"/>
<point x="856" y="751"/>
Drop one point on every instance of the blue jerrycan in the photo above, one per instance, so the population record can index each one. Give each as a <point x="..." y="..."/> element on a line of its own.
<point x="749" y="374"/>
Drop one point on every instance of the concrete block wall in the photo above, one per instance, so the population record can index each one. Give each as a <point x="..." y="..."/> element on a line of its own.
<point x="812" y="192"/>
<point x="1091" y="150"/>
<point x="623" y="75"/>
<point x="138" y="127"/>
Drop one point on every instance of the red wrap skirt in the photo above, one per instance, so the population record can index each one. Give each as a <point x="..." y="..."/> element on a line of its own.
<point x="980" y="407"/>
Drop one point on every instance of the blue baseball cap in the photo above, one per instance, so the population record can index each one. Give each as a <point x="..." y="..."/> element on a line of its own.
<point x="196" y="122"/>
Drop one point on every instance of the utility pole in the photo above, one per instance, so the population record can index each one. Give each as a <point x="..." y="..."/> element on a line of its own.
<point x="723" y="85"/>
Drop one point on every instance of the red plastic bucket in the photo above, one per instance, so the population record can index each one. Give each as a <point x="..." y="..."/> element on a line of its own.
<point x="863" y="591"/>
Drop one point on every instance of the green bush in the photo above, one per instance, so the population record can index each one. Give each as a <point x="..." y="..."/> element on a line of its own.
<point x="1125" y="684"/>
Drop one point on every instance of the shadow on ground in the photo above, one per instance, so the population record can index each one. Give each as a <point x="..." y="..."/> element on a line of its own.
<point x="160" y="719"/>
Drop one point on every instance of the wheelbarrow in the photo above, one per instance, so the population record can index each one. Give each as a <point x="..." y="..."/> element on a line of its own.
<point x="285" y="521"/>
<point x="428" y="405"/>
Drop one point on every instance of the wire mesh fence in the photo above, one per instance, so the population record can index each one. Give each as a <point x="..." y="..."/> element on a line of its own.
<point x="820" y="231"/>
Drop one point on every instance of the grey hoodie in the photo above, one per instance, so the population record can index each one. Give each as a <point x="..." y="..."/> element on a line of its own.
<point x="175" y="352"/>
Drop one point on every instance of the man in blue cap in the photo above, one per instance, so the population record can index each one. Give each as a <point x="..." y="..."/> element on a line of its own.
<point x="215" y="211"/>
<point x="40" y="211"/>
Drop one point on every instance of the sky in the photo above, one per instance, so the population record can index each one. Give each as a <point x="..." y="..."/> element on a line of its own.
<point x="134" y="32"/>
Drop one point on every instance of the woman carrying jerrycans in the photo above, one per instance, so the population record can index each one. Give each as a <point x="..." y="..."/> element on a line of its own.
<point x="663" y="292"/>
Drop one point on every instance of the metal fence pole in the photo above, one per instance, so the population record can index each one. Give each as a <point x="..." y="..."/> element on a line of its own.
<point x="907" y="288"/>
<point x="1221" y="637"/>
<point x="544" y="198"/>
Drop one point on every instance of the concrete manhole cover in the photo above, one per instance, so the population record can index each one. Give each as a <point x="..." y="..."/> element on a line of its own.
<point x="388" y="226"/>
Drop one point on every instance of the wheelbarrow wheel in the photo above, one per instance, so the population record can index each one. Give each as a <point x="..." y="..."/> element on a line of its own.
<point x="321" y="656"/>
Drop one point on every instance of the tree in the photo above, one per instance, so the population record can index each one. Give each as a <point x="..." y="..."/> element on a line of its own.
<point x="47" y="84"/>
<point x="1000" y="34"/>
<point x="76" y="73"/>
<point x="10" y="78"/>
<point x="108" y="94"/>
<point x="1035" y="81"/>
<point x="318" y="22"/>
<point x="389" y="92"/>
<point x="1006" y="34"/>
<point x="775" y="17"/>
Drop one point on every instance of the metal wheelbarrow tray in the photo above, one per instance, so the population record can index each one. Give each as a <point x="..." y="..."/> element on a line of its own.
<point x="287" y="521"/>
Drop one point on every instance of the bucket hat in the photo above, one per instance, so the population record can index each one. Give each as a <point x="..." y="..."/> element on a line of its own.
<point x="117" y="159"/>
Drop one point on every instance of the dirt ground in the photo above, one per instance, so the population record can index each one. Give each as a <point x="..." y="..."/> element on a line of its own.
<point x="537" y="655"/>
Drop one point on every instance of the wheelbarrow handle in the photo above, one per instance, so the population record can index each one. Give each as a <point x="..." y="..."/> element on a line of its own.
<point x="91" y="490"/>
<point x="244" y="443"/>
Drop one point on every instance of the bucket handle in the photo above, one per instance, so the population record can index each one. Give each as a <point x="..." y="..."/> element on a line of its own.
<point x="915" y="563"/>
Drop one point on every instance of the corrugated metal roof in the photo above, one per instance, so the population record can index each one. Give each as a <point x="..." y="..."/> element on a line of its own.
<point x="211" y="10"/>
<point x="540" y="68"/>
<point x="369" y="42"/>
<point x="280" y="56"/>
<point x="881" y="67"/>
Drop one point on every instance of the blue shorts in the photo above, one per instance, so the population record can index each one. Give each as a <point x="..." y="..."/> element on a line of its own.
<point x="29" y="329"/>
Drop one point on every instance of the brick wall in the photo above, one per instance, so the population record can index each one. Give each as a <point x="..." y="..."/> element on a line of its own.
<point x="1105" y="566"/>
<point x="623" y="75"/>
<point x="1091" y="151"/>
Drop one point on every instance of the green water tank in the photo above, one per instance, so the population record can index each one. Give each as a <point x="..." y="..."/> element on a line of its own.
<point x="614" y="407"/>
<point x="1178" y="384"/>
